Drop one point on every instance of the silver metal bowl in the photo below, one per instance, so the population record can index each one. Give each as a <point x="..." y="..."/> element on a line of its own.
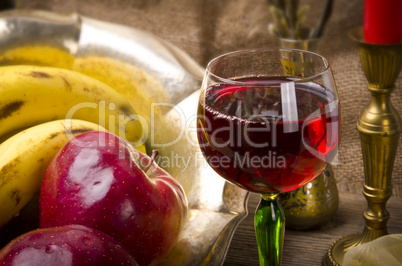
<point x="216" y="207"/>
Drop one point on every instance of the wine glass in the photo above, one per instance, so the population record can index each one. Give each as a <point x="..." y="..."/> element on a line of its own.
<point x="269" y="122"/>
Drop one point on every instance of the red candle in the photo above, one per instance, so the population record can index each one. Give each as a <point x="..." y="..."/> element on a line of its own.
<point x="383" y="21"/>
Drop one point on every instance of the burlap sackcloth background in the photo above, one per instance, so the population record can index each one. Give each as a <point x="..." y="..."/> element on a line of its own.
<point x="207" y="28"/>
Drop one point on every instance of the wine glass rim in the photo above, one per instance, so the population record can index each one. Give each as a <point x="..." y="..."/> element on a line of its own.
<point x="259" y="83"/>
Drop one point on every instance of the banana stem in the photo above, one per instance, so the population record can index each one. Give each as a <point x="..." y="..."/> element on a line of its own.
<point x="269" y="223"/>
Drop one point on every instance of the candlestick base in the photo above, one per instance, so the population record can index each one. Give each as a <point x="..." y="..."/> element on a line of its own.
<point x="336" y="252"/>
<point x="379" y="128"/>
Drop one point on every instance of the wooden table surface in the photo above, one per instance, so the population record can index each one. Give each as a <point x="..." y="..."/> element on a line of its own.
<point x="309" y="247"/>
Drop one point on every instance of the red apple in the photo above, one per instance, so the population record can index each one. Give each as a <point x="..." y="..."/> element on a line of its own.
<point x="99" y="180"/>
<point x="67" y="245"/>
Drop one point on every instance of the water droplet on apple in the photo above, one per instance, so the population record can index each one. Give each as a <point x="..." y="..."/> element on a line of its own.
<point x="49" y="249"/>
<point x="87" y="241"/>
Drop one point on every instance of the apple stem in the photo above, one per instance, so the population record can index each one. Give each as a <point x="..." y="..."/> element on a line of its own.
<point x="153" y="157"/>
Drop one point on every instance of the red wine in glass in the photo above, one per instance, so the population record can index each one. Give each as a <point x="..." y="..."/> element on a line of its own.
<point x="246" y="137"/>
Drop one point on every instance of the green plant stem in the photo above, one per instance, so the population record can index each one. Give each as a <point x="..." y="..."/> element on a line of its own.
<point x="269" y="223"/>
<point x="324" y="18"/>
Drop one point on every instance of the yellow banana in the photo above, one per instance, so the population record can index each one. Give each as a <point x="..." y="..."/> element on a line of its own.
<point x="24" y="158"/>
<point x="140" y="88"/>
<point x="38" y="55"/>
<point x="30" y="95"/>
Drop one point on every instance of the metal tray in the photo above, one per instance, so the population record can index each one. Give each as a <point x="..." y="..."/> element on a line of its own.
<point x="216" y="207"/>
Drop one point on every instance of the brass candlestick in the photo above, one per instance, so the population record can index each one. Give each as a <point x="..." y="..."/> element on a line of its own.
<point x="379" y="128"/>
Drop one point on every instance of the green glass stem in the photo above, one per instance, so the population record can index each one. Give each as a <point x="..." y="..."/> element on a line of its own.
<point x="269" y="223"/>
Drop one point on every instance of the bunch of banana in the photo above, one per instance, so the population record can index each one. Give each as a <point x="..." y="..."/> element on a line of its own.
<point x="24" y="158"/>
<point x="136" y="85"/>
<point x="31" y="95"/>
